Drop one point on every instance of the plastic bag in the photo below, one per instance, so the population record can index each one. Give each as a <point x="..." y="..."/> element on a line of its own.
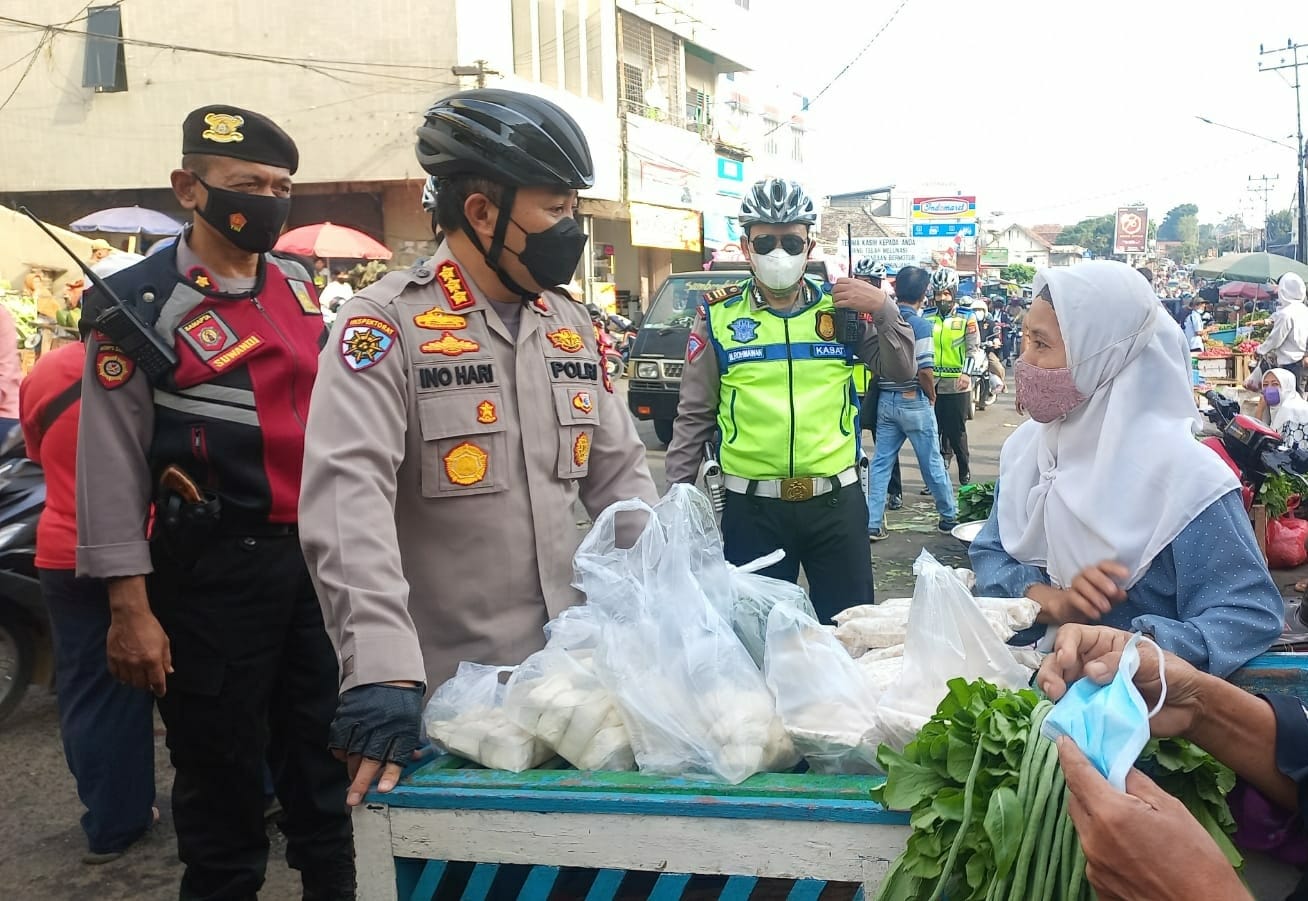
<point x="826" y="704"/>
<point x="756" y="596"/>
<point x="693" y="701"/>
<point x="948" y="637"/>
<point x="556" y="696"/>
<point x="1286" y="538"/>
<point x="466" y="717"/>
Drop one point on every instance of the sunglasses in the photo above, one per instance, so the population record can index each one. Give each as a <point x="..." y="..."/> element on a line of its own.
<point x="791" y="244"/>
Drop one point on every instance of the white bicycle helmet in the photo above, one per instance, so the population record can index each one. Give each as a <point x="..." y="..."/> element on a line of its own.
<point x="869" y="268"/>
<point x="944" y="279"/>
<point x="777" y="201"/>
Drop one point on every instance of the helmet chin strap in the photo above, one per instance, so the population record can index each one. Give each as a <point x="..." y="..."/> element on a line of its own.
<point x="497" y="248"/>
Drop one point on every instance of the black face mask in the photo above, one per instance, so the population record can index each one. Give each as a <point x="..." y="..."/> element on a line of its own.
<point x="252" y="222"/>
<point x="551" y="256"/>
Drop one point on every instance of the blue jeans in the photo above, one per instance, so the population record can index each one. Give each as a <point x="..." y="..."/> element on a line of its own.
<point x="900" y="418"/>
<point x="107" y="727"/>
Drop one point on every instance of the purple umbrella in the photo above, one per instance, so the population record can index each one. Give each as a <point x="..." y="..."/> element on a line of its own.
<point x="128" y="220"/>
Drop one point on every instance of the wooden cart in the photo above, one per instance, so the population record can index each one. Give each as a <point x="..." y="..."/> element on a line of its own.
<point x="811" y="830"/>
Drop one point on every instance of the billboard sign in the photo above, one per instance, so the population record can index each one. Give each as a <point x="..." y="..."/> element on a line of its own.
<point x="944" y="209"/>
<point x="1131" y="230"/>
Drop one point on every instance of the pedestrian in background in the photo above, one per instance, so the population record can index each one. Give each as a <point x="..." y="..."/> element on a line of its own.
<point x="11" y="371"/>
<point x="107" y="727"/>
<point x="957" y="339"/>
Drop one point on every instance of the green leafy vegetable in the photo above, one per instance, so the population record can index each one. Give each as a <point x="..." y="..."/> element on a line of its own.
<point x="988" y="804"/>
<point x="1276" y="493"/>
<point x="975" y="501"/>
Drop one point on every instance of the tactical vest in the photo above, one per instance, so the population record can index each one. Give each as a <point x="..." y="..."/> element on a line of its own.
<point x="787" y="403"/>
<point x="950" y="337"/>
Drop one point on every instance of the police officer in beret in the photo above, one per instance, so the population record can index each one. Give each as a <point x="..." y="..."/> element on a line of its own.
<point x="188" y="486"/>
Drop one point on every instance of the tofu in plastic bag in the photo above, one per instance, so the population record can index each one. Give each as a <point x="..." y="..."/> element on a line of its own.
<point x="466" y="717"/>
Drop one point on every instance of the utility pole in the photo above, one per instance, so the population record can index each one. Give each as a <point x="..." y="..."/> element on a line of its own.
<point x="478" y="71"/>
<point x="1293" y="48"/>
<point x="1264" y="189"/>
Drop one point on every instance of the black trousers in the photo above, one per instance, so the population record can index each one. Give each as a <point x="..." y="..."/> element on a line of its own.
<point x="951" y="417"/>
<point x="868" y="419"/>
<point x="826" y="534"/>
<point x="255" y="679"/>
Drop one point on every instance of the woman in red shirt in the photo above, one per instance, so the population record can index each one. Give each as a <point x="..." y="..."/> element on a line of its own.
<point x="107" y="726"/>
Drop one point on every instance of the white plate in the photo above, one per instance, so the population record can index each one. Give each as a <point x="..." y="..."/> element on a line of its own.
<point x="967" y="531"/>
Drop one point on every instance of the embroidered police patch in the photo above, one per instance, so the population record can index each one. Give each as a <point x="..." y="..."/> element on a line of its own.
<point x="744" y="330"/>
<point x="364" y="341"/>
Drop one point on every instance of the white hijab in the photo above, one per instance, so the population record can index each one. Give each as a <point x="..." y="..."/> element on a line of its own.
<point x="1292" y="408"/>
<point x="1121" y="476"/>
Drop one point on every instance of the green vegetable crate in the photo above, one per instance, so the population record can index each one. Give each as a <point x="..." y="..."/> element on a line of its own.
<point x="452" y="830"/>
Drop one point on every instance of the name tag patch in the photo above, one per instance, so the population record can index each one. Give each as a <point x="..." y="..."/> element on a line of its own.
<point x="573" y="369"/>
<point x="241" y="349"/>
<point x="459" y="375"/>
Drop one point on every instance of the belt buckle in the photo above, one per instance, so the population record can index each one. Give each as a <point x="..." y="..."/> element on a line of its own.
<point x="796" y="489"/>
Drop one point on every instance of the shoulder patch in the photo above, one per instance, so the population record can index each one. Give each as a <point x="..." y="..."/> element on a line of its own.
<point x="113" y="368"/>
<point x="718" y="295"/>
<point x="365" y="340"/>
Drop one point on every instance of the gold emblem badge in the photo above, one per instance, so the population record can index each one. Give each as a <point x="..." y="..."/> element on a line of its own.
<point x="486" y="413"/>
<point x="581" y="400"/>
<point x="581" y="449"/>
<point x="449" y="346"/>
<point x="236" y="222"/>
<point x="456" y="292"/>
<point x="565" y="339"/>
<point x="223" y="128"/>
<point x="466" y="464"/>
<point x="826" y="325"/>
<point x="437" y="320"/>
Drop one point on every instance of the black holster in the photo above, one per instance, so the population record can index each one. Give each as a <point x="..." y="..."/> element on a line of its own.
<point x="183" y="530"/>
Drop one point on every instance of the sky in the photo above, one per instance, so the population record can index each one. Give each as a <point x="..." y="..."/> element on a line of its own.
<point x="1051" y="111"/>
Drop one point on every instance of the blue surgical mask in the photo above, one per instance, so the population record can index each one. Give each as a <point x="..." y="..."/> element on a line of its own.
<point x="1272" y="395"/>
<point x="1109" y="723"/>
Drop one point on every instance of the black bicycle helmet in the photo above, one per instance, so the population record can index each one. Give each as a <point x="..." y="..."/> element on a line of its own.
<point x="508" y="137"/>
<point x="777" y="201"/>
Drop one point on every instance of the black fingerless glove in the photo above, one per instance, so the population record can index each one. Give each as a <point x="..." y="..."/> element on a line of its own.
<point x="381" y="722"/>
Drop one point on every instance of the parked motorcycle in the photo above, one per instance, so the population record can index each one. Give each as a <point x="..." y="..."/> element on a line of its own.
<point x="26" y="650"/>
<point x="1254" y="451"/>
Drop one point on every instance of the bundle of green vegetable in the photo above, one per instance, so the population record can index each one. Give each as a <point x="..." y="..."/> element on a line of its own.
<point x="1276" y="492"/>
<point x="975" y="501"/>
<point x="988" y="802"/>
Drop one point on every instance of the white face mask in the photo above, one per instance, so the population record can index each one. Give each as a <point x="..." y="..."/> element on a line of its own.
<point x="778" y="270"/>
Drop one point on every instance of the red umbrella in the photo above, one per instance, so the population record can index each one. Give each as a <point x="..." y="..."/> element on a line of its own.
<point x="332" y="242"/>
<point x="1245" y="290"/>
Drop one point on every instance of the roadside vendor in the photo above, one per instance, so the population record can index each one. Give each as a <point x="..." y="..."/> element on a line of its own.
<point x="1107" y="510"/>
<point x="1287" y="343"/>
<point x="1283" y="408"/>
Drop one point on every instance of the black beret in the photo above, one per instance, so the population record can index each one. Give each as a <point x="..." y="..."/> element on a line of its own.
<point x="240" y="134"/>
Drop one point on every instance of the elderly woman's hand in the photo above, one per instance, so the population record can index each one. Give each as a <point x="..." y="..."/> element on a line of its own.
<point x="1092" y="594"/>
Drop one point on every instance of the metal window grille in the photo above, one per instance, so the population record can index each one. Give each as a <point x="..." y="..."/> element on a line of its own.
<point x="743" y="4"/>
<point x="797" y="144"/>
<point x="105" y="67"/>
<point x="659" y="55"/>
<point x="770" y="128"/>
<point x="699" y="112"/>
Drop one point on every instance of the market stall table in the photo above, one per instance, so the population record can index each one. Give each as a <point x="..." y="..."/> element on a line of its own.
<point x="796" y="826"/>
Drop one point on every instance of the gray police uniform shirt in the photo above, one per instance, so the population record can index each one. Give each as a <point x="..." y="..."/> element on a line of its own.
<point x="887" y="349"/>
<point x="442" y="460"/>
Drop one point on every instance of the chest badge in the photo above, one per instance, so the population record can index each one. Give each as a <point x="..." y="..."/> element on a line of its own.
<point x="303" y="297"/>
<point x="826" y="325"/>
<point x="438" y="320"/>
<point x="582" y="401"/>
<point x="486" y="413"/>
<point x="365" y="341"/>
<point x="744" y="330"/>
<point x="466" y="464"/>
<point x="208" y="335"/>
<point x="456" y="292"/>
<point x="565" y="339"/>
<point x="449" y="345"/>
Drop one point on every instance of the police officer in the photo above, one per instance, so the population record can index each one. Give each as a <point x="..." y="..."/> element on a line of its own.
<point x="461" y="409"/>
<point x="957" y="340"/>
<point x="214" y="611"/>
<point x="769" y="365"/>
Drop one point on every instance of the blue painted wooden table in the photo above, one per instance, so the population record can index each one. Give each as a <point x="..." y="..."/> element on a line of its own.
<point x="804" y="827"/>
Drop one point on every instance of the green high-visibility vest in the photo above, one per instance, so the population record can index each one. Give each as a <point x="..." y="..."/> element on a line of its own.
<point x="787" y="404"/>
<point x="950" y="336"/>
